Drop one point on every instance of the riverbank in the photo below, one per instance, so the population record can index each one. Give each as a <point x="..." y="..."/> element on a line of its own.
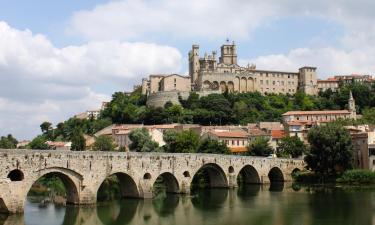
<point x="349" y="177"/>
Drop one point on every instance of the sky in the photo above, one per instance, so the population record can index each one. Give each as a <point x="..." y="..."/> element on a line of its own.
<point x="60" y="58"/>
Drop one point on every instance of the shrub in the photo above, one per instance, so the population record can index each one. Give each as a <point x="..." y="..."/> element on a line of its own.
<point x="357" y="177"/>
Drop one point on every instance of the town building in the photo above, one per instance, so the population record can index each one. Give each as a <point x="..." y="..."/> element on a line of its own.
<point x="59" y="145"/>
<point x="297" y="123"/>
<point x="334" y="82"/>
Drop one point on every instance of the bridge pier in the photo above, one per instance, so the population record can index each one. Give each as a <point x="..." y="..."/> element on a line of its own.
<point x="264" y="179"/>
<point x="185" y="184"/>
<point x="232" y="180"/>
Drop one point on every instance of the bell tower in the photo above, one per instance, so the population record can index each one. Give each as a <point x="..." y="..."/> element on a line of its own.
<point x="351" y="106"/>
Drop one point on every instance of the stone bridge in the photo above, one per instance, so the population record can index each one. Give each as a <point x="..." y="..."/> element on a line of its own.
<point x="83" y="172"/>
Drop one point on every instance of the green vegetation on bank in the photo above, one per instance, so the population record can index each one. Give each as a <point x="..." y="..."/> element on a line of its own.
<point x="357" y="177"/>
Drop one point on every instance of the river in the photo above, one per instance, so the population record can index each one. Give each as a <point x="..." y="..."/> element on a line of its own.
<point x="277" y="205"/>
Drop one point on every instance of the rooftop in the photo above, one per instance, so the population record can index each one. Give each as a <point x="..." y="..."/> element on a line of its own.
<point x="234" y="134"/>
<point x="323" y="112"/>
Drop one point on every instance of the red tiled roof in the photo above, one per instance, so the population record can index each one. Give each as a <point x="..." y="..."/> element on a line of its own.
<point x="316" y="112"/>
<point x="277" y="134"/>
<point x="238" y="134"/>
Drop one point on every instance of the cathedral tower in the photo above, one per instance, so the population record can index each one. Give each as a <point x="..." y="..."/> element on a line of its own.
<point x="228" y="54"/>
<point x="194" y="65"/>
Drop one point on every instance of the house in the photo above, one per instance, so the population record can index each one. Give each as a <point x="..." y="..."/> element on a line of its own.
<point x="237" y="141"/>
<point x="59" y="145"/>
<point x="276" y="136"/>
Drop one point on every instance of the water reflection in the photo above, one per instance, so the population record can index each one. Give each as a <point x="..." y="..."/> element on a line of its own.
<point x="250" y="204"/>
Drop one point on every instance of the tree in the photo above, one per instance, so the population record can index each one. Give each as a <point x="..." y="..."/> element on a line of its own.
<point x="142" y="141"/>
<point x="209" y="145"/>
<point x="8" y="142"/>
<point x="330" y="149"/>
<point x="78" y="140"/>
<point x="104" y="143"/>
<point x="292" y="145"/>
<point x="45" y="127"/>
<point x="369" y="115"/>
<point x="39" y="143"/>
<point x="259" y="147"/>
<point x="181" y="142"/>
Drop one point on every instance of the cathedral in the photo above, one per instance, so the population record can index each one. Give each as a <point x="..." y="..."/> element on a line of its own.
<point x="212" y="74"/>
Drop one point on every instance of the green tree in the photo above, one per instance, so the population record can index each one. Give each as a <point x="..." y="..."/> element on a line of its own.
<point x="8" y="142"/>
<point x="291" y="145"/>
<point x="369" y="115"/>
<point x="142" y="141"/>
<point x="104" y="143"/>
<point x="181" y="142"/>
<point x="259" y="147"/>
<point x="330" y="149"/>
<point x="45" y="127"/>
<point x="209" y="145"/>
<point x="39" y="143"/>
<point x="78" y="140"/>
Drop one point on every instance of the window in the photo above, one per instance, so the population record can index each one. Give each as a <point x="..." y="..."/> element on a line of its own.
<point x="267" y="82"/>
<point x="232" y="142"/>
<point x="238" y="142"/>
<point x="261" y="81"/>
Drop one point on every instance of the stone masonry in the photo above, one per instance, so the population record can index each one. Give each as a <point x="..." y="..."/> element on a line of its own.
<point x="84" y="172"/>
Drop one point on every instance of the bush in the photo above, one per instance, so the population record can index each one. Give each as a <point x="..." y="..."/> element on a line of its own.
<point x="357" y="177"/>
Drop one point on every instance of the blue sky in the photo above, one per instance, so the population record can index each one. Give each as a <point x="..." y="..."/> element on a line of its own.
<point x="59" y="58"/>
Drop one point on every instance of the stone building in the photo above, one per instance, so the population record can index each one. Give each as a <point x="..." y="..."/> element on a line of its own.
<point x="208" y="73"/>
<point x="224" y="74"/>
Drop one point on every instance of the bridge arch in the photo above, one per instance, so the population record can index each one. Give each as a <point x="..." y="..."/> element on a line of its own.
<point x="249" y="175"/>
<point x="213" y="174"/>
<point x="69" y="178"/>
<point x="169" y="181"/>
<point x="127" y="185"/>
<point x="275" y="175"/>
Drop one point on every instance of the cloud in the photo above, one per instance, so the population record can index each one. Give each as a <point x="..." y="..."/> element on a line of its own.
<point x="330" y="61"/>
<point x="133" y="19"/>
<point x="239" y="19"/>
<point x="39" y="81"/>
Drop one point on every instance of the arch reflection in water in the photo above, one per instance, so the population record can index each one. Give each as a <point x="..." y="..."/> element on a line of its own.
<point x="209" y="199"/>
<point x="117" y="212"/>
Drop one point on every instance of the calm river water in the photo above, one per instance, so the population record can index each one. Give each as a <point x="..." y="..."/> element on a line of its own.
<point x="279" y="205"/>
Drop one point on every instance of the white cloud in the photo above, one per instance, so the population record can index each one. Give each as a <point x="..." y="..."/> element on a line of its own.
<point x="195" y="18"/>
<point x="239" y="19"/>
<point x="41" y="82"/>
<point x="330" y="61"/>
